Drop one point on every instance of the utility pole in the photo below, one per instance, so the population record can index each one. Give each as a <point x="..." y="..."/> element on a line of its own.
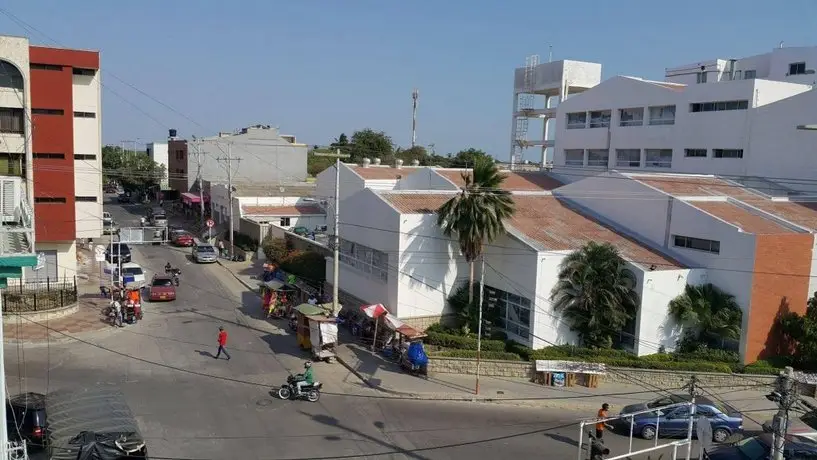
<point x="336" y="245"/>
<point x="414" y="96"/>
<point x="692" y="386"/>
<point x="197" y="155"/>
<point x="786" y="396"/>
<point x="229" y="161"/>
<point x="479" y="326"/>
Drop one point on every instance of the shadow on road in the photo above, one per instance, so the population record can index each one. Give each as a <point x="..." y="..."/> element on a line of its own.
<point x="206" y="354"/>
<point x="561" y="438"/>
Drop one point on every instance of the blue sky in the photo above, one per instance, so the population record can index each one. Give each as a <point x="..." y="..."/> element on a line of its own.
<point x="319" y="68"/>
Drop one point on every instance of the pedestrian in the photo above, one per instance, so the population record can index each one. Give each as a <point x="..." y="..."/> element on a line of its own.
<point x="221" y="248"/>
<point x="117" y="308"/>
<point x="601" y="424"/>
<point x="222" y="341"/>
<point x="312" y="300"/>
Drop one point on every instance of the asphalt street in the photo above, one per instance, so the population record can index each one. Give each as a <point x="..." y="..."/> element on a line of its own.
<point x="190" y="405"/>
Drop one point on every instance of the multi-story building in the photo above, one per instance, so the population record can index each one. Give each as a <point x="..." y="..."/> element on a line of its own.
<point x="53" y="140"/>
<point x="259" y="155"/>
<point x="158" y="152"/>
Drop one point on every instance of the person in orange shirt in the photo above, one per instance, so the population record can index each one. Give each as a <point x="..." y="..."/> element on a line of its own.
<point x="603" y="413"/>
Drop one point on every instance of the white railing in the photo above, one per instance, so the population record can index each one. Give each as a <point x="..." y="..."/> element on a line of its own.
<point x="17" y="228"/>
<point x="16" y="451"/>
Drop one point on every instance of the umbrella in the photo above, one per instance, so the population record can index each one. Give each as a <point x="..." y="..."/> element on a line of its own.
<point x="374" y="311"/>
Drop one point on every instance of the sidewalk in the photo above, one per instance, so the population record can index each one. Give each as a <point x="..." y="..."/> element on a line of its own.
<point x="245" y="272"/>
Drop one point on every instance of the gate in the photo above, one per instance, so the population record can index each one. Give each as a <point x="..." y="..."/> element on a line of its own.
<point x="143" y="235"/>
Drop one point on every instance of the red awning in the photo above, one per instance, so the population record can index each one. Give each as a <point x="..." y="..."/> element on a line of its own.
<point x="192" y="198"/>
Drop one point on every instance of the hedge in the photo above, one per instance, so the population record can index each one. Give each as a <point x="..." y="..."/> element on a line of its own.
<point x="498" y="355"/>
<point x="462" y="342"/>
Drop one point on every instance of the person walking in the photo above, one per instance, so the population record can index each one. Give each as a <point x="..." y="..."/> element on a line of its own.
<point x="221" y="251"/>
<point x="222" y="342"/>
<point x="117" y="309"/>
<point x="601" y="424"/>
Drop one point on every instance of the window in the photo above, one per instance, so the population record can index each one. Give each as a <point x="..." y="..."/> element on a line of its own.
<point x="180" y="155"/>
<point x="285" y="222"/>
<point x="662" y="115"/>
<point x="86" y="199"/>
<point x="50" y="156"/>
<point x="370" y="262"/>
<point x="631" y="117"/>
<point x="718" y="106"/>
<point x="47" y="112"/>
<point x="577" y="120"/>
<point x="600" y="119"/>
<point x="658" y="158"/>
<point x="34" y="66"/>
<point x="797" y="68"/>
<point x="514" y="311"/>
<point x="598" y="157"/>
<point x="87" y="72"/>
<point x="628" y="158"/>
<point x="84" y="156"/>
<point x="12" y="164"/>
<point x="11" y="120"/>
<point x="749" y="74"/>
<point x="85" y="114"/>
<point x="695" y="153"/>
<point x="699" y="244"/>
<point x="49" y="199"/>
<point x="10" y="77"/>
<point x="727" y="153"/>
<point x="701" y="77"/>
<point x="574" y="157"/>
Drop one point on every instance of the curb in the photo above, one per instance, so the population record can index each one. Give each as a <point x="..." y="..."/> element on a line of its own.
<point x="244" y="283"/>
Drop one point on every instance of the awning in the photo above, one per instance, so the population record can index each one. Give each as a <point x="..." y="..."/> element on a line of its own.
<point x="193" y="198"/>
<point x="396" y="325"/>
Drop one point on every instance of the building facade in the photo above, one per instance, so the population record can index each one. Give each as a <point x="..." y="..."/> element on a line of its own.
<point x="158" y="152"/>
<point x="177" y="165"/>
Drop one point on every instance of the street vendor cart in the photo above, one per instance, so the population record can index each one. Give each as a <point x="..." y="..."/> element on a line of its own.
<point x="317" y="330"/>
<point x="276" y="298"/>
<point x="132" y="305"/>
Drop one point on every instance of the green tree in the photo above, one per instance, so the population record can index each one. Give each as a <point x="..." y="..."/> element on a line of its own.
<point x="341" y="141"/>
<point x="710" y="314"/>
<point x="368" y="143"/>
<point x="275" y="249"/>
<point x="596" y="293"/>
<point x="476" y="215"/>
<point x="468" y="157"/>
<point x="800" y="335"/>
<point x="134" y="170"/>
<point x="417" y="152"/>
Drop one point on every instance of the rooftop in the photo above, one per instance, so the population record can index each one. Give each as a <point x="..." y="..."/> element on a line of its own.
<point x="283" y="211"/>
<point x="514" y="181"/>
<point x="695" y="186"/>
<point x="375" y="172"/>
<point x="417" y="203"/>
<point x="803" y="214"/>
<point x="740" y="217"/>
<point x="556" y="227"/>
<point x="250" y="190"/>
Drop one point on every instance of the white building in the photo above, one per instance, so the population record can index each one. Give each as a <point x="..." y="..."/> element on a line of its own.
<point x="157" y="151"/>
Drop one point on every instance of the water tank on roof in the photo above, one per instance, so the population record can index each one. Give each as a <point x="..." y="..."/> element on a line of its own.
<point x="377" y="161"/>
<point x="171" y="133"/>
<point x="415" y="162"/>
<point x="366" y="162"/>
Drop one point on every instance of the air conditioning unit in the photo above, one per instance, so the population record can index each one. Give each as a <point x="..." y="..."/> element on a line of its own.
<point x="10" y="193"/>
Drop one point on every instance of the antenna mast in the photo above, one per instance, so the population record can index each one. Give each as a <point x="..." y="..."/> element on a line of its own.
<point x="415" y="94"/>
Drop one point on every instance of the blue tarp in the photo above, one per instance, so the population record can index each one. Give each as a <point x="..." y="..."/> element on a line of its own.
<point x="417" y="355"/>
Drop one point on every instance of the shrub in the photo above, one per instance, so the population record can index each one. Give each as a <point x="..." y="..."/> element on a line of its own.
<point x="275" y="249"/>
<point x="305" y="264"/>
<point x="763" y="367"/>
<point x="245" y="242"/>
<point x="498" y="355"/>
<point x="462" y="342"/>
<point x="709" y="354"/>
<point x="518" y="349"/>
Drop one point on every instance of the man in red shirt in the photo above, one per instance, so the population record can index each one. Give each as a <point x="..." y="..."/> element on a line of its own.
<point x="222" y="342"/>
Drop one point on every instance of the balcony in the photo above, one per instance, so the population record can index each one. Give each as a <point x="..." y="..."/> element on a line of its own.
<point x="16" y="229"/>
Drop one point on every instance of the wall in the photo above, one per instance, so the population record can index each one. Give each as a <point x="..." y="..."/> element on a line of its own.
<point x="66" y="258"/>
<point x="550" y="327"/>
<point x="350" y="184"/>
<point x="158" y="152"/>
<point x="178" y="168"/>
<point x="431" y="268"/>
<point x="366" y="219"/>
<point x="88" y="141"/>
<point x="425" y="179"/>
<point x="782" y="57"/>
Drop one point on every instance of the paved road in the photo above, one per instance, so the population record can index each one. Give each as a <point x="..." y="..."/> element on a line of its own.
<point x="190" y="405"/>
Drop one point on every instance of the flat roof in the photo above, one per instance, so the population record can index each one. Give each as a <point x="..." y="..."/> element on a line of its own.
<point x="514" y="181"/>
<point x="694" y="186"/>
<point x="742" y="218"/>
<point x="284" y="211"/>
<point x="380" y="172"/>
<point x="417" y="203"/>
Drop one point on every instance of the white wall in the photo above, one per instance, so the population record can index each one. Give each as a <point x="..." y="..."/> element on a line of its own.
<point x="350" y="184"/>
<point x="368" y="220"/>
<point x="66" y="257"/>
<point x="310" y="222"/>
<point x="86" y="97"/>
<point x="550" y="327"/>
<point x="425" y="179"/>
<point x="159" y="154"/>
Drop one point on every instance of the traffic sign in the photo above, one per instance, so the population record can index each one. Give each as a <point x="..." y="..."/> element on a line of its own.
<point x="211" y="223"/>
<point x="99" y="253"/>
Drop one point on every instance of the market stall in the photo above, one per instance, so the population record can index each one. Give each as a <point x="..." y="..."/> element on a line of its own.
<point x="276" y="298"/>
<point x="316" y="329"/>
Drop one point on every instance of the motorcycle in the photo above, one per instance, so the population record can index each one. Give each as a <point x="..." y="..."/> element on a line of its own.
<point x="289" y="390"/>
<point x="176" y="273"/>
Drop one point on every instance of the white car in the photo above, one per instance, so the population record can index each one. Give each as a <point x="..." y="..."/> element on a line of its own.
<point x="106" y="218"/>
<point x="134" y="270"/>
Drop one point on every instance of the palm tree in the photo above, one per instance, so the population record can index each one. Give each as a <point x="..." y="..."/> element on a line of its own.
<point x="477" y="213"/>
<point x="708" y="311"/>
<point x="595" y="293"/>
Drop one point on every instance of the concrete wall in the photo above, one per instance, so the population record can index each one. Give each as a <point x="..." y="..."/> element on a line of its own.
<point x="87" y="97"/>
<point x="158" y="152"/>
<point x="425" y="179"/>
<point x="350" y="184"/>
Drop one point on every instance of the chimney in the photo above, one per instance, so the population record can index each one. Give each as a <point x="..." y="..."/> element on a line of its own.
<point x="398" y="163"/>
<point x="366" y="162"/>
<point x="377" y="161"/>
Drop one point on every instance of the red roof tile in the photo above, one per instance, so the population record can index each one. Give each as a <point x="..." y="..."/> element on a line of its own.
<point x="514" y="181"/>
<point x="382" y="172"/>
<point x="281" y="210"/>
<point x="800" y="213"/>
<point x="696" y="186"/>
<point x="747" y="221"/>
<point x="417" y="203"/>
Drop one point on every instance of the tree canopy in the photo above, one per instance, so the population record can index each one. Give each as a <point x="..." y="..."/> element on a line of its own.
<point x="134" y="170"/>
<point x="367" y="143"/>
<point x="468" y="157"/>
<point x="710" y="314"/>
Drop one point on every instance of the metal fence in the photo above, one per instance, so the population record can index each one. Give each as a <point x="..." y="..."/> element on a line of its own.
<point x="40" y="295"/>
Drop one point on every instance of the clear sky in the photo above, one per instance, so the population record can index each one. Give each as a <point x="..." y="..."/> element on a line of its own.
<point x="318" y="68"/>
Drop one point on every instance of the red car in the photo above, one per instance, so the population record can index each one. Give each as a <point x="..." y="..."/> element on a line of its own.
<point x="183" y="239"/>
<point x="162" y="288"/>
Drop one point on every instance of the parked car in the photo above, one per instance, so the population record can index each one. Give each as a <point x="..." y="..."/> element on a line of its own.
<point x="204" y="253"/>
<point x="162" y="288"/>
<point x="182" y="238"/>
<point x="25" y="418"/>
<point x="301" y="231"/>
<point x="674" y="421"/>
<point x="760" y="448"/>
<point x="110" y="229"/>
<point x="123" y="198"/>
<point x="159" y="219"/>
<point x="117" y="250"/>
<point x="134" y="270"/>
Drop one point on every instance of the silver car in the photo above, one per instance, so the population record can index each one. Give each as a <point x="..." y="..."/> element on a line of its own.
<point x="204" y="254"/>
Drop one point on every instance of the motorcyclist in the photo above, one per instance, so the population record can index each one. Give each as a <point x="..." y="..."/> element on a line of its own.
<point x="307" y="378"/>
<point x="168" y="267"/>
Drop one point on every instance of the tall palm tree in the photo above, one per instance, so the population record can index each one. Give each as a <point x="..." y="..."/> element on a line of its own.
<point x="476" y="214"/>
<point x="709" y="311"/>
<point x="595" y="293"/>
